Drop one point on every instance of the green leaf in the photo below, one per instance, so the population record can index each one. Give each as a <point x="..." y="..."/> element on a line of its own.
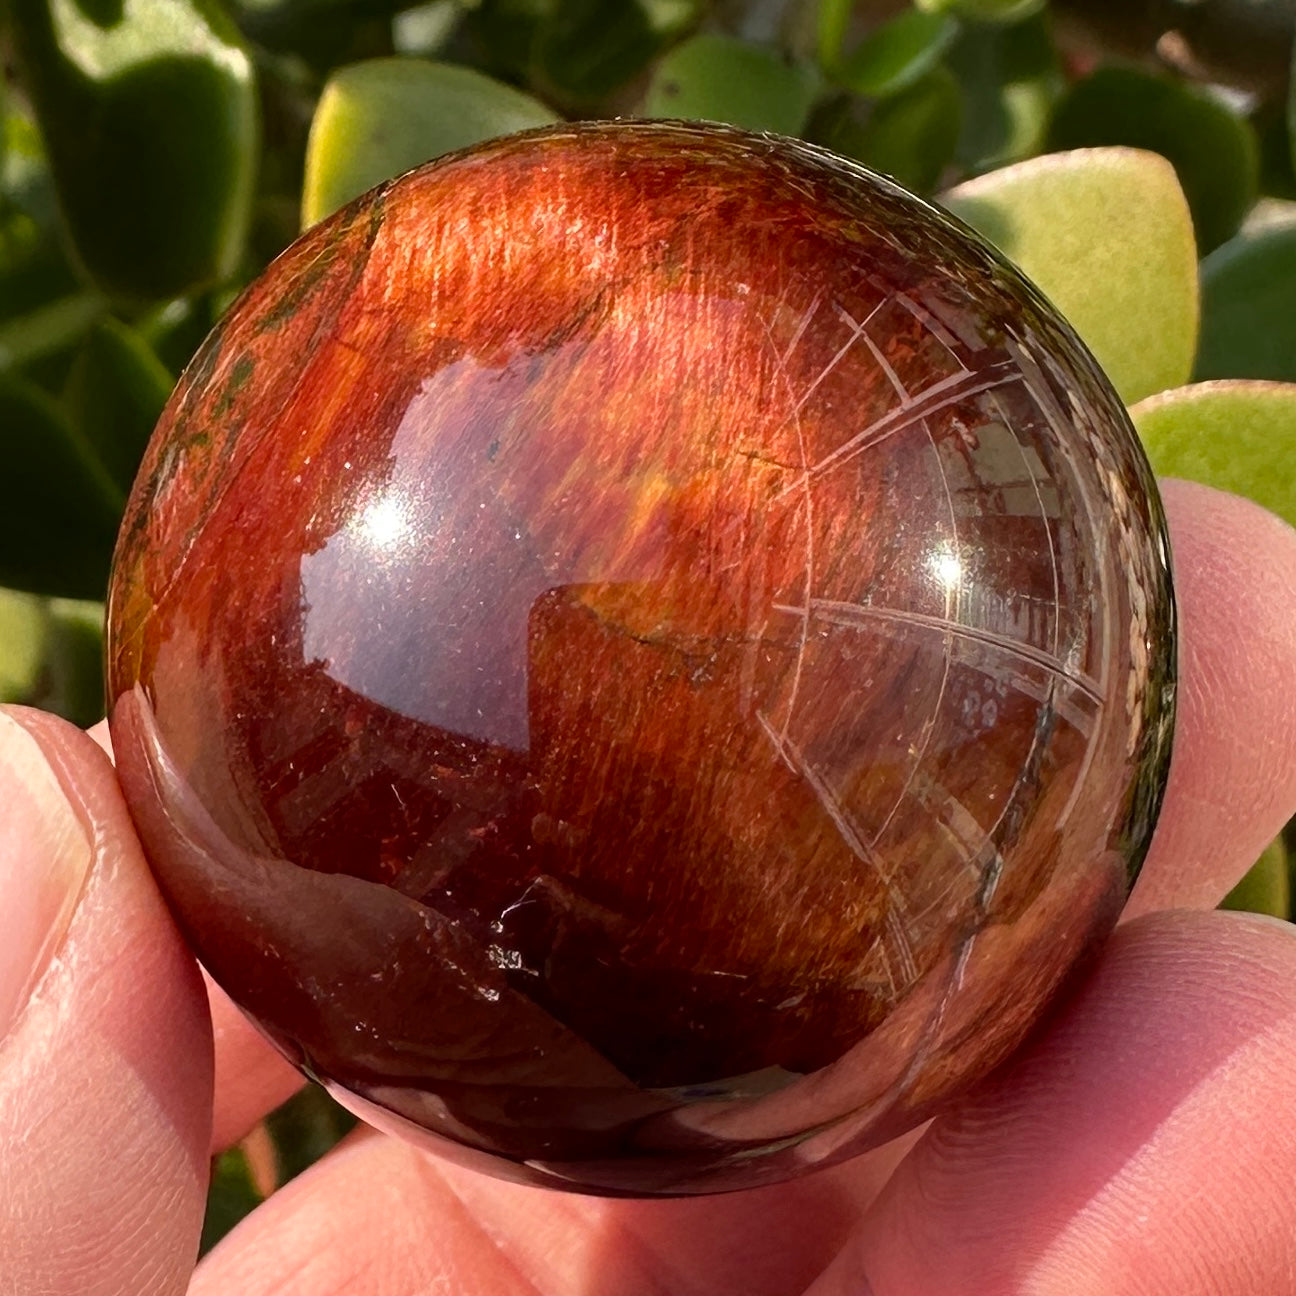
<point x="1277" y="164"/>
<point x="62" y="508"/>
<point x="148" y="109"/>
<point x="895" y="55"/>
<point x="73" y="684"/>
<point x="587" y="49"/>
<point x="832" y="22"/>
<point x="1291" y="108"/>
<point x="24" y="629"/>
<point x="378" y="119"/>
<point x="1266" y="888"/>
<point x="231" y="1196"/>
<point x="1010" y="78"/>
<point x="986" y="11"/>
<point x="1238" y="436"/>
<point x="176" y="329"/>
<point x="910" y="136"/>
<point x="56" y="326"/>
<point x="1249" y="306"/>
<point x="304" y="1128"/>
<point x="426" y="30"/>
<point x="115" y="395"/>
<point x="1107" y="236"/>
<point x="721" y="78"/>
<point x="33" y="267"/>
<point x="1214" y="151"/>
<point x="502" y="34"/>
<point x="317" y="35"/>
<point x="51" y="655"/>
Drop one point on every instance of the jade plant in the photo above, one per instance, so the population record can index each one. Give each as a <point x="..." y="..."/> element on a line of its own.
<point x="156" y="155"/>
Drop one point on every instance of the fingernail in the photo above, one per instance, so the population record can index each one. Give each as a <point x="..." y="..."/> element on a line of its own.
<point x="45" y="855"/>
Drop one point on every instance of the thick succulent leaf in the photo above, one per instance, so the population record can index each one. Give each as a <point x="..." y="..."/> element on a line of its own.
<point x="115" y="395"/>
<point x="231" y="1196"/>
<point x="1277" y="163"/>
<point x="381" y="117"/>
<point x="72" y="684"/>
<point x="832" y="23"/>
<point x="585" y="50"/>
<point x="711" y="77"/>
<point x="304" y="1128"/>
<point x="1235" y="435"/>
<point x="426" y="30"/>
<point x="896" y="54"/>
<point x="174" y="330"/>
<point x="60" y="517"/>
<point x="33" y="267"/>
<point x="1132" y="297"/>
<point x="1010" y="78"/>
<point x="24" y="628"/>
<point x="911" y="136"/>
<point x="1266" y="888"/>
<point x="1248" y="291"/>
<point x="502" y="33"/>
<point x="1291" y="108"/>
<point x="989" y="11"/>
<point x="51" y="655"/>
<point x="149" y="113"/>
<point x="1213" y="149"/>
<point x="47" y="329"/>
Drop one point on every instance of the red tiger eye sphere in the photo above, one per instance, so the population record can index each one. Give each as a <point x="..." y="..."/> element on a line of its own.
<point x="642" y="655"/>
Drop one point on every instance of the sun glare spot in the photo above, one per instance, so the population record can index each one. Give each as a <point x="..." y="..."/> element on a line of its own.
<point x="385" y="522"/>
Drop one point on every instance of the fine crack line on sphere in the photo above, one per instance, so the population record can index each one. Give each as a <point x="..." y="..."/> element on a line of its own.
<point x="858" y="332"/>
<point x="794" y="758"/>
<point x="896" y="926"/>
<point x="795" y="416"/>
<point x="854" y="614"/>
<point x="1038" y="388"/>
<point x="951" y="590"/>
<point x="997" y="405"/>
<point x="835" y="361"/>
<point x="808" y="596"/>
<point x="929" y="727"/>
<point x="972" y="341"/>
<point x="797" y="333"/>
<point x="939" y="396"/>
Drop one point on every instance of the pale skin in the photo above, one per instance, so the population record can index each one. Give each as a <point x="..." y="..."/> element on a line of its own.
<point x="1143" y="1143"/>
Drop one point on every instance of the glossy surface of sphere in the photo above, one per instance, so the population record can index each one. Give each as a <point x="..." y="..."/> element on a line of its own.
<point x="642" y="655"/>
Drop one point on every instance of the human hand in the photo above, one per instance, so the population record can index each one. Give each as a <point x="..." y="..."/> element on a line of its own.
<point x="1144" y="1142"/>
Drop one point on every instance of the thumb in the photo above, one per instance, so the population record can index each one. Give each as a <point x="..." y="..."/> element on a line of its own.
<point x="105" y="1042"/>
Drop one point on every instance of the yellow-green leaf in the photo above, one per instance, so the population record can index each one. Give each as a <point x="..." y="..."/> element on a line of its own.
<point x="712" y="77"/>
<point x="1266" y="888"/>
<point x="24" y="626"/>
<point x="381" y="117"/>
<point x="1237" y="435"/>
<point x="1213" y="148"/>
<point x="990" y="11"/>
<point x="1107" y="236"/>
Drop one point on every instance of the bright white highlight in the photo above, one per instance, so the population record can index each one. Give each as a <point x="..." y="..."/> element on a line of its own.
<point x="385" y="522"/>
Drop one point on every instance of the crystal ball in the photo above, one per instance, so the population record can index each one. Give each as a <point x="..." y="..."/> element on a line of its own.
<point x="642" y="657"/>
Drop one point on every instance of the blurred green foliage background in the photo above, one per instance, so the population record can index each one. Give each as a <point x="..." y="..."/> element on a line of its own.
<point x="155" y="155"/>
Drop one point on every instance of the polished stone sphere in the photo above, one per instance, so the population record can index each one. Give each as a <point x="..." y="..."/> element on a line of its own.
<point x="642" y="656"/>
